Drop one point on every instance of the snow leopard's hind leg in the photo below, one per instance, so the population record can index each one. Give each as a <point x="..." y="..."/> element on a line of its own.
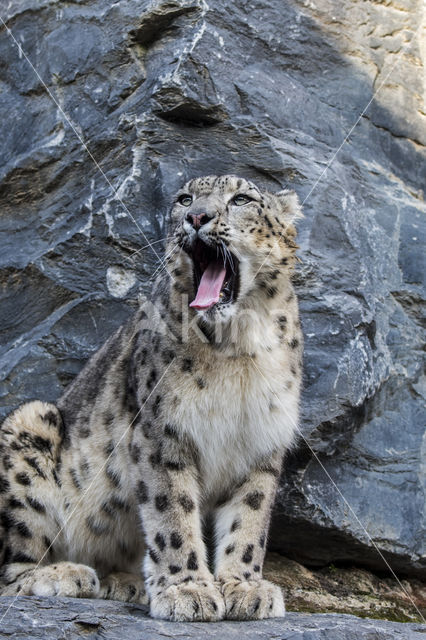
<point x="30" y="495"/>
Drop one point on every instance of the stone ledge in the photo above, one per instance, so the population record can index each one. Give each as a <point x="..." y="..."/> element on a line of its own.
<point x="60" y="618"/>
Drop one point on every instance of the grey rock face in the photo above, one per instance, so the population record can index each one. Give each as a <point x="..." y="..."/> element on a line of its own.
<point x="73" y="618"/>
<point x="162" y="91"/>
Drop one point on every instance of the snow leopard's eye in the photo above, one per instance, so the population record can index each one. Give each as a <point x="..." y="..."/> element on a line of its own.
<point x="185" y="200"/>
<point x="240" y="199"/>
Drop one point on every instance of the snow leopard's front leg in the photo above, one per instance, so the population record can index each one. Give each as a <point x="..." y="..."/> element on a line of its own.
<point x="241" y="526"/>
<point x="178" y="581"/>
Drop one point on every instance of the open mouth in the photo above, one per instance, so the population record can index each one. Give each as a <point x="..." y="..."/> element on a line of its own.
<point x="216" y="275"/>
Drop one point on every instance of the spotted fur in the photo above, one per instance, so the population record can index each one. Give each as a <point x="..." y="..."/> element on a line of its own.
<point x="182" y="414"/>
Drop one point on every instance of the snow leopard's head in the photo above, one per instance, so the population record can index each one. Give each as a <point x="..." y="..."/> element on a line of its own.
<point x="235" y="242"/>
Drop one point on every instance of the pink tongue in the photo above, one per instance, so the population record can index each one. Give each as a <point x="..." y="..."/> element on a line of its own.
<point x="210" y="286"/>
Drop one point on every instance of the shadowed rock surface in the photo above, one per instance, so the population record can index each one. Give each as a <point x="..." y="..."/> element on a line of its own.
<point x="74" y="618"/>
<point x="164" y="90"/>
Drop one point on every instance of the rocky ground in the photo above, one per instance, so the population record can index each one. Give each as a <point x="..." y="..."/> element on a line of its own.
<point x="67" y="618"/>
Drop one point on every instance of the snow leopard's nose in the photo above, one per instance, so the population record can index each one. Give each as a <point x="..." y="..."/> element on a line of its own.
<point x="198" y="219"/>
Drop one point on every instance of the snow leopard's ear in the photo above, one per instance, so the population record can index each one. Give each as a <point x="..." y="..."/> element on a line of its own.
<point x="290" y="205"/>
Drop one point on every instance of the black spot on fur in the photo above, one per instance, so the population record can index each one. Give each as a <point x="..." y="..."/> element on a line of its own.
<point x="36" y="505"/>
<point x="4" y="484"/>
<point x="282" y="322"/>
<point x="151" y="380"/>
<point x="284" y="260"/>
<point x="200" y="383"/>
<point x="135" y="453"/>
<point x="187" y="364"/>
<point x="155" y="457"/>
<point x="7" y="462"/>
<point x="7" y="555"/>
<point x="294" y="343"/>
<point x="270" y="469"/>
<point x="161" y="581"/>
<point x="142" y="492"/>
<point x="176" y="540"/>
<point x="108" y="508"/>
<point x="23" y="478"/>
<point x="256" y="568"/>
<point x="23" y="530"/>
<point x="84" y="431"/>
<point x="56" y="477"/>
<point x="75" y="479"/>
<point x="170" y="431"/>
<point x="254" y="499"/>
<point x="161" y="502"/>
<point x="168" y="356"/>
<point x="114" y="504"/>
<point x="246" y="575"/>
<point x="154" y="556"/>
<point x="156" y="406"/>
<point x="14" y="503"/>
<point x="50" y="418"/>
<point x="268" y="222"/>
<point x="248" y="554"/>
<point x="230" y="549"/>
<point x="174" y="465"/>
<point x="32" y="441"/>
<point x="113" y="476"/>
<point x="235" y="525"/>
<point x="109" y="448"/>
<point x="6" y="520"/>
<point x="192" y="563"/>
<point x="160" y="541"/>
<point x="173" y="568"/>
<point x="130" y="402"/>
<point x="47" y="542"/>
<point x="179" y="287"/>
<point x="96" y="527"/>
<point x="33" y="463"/>
<point x="146" y="429"/>
<point x="42" y="444"/>
<point x="19" y="556"/>
<point x="262" y="541"/>
<point x="109" y="418"/>
<point x="271" y="292"/>
<point x="186" y="502"/>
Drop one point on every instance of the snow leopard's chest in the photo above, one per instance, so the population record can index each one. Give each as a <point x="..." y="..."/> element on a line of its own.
<point x="242" y="414"/>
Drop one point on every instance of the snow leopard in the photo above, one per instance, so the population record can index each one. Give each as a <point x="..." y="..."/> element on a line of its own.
<point x="177" y="425"/>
